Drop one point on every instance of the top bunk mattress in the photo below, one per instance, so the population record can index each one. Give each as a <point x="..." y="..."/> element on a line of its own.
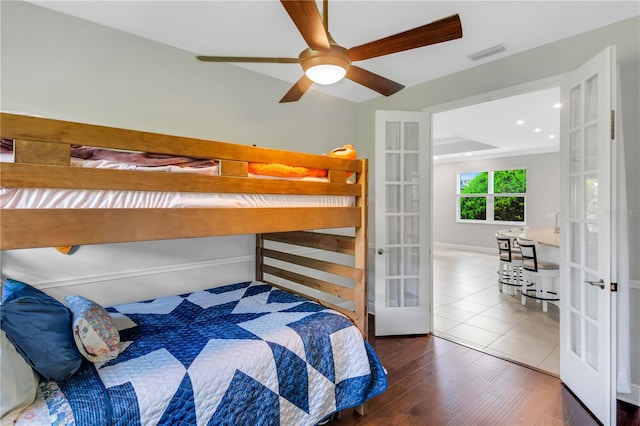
<point x="44" y="198"/>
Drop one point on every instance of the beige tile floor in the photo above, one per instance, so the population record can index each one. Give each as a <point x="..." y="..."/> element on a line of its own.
<point x="470" y="309"/>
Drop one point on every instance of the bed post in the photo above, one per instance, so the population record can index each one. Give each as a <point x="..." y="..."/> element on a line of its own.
<point x="361" y="255"/>
<point x="361" y="295"/>
<point x="259" y="258"/>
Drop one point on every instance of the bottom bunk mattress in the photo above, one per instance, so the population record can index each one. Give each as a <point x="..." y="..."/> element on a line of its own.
<point x="242" y="354"/>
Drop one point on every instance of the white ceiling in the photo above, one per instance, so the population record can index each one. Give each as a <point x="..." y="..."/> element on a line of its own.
<point x="528" y="123"/>
<point x="263" y="28"/>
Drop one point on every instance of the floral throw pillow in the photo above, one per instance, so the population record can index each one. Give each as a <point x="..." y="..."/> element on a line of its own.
<point x="95" y="334"/>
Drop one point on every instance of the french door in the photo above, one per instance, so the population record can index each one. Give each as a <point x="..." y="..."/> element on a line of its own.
<point x="402" y="237"/>
<point x="587" y="312"/>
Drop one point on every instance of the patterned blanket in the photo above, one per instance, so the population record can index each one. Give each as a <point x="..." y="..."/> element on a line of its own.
<point x="242" y="354"/>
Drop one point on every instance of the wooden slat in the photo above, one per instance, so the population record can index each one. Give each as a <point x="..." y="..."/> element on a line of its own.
<point x="324" y="286"/>
<point x="56" y="131"/>
<point x="346" y="312"/>
<point x="46" y="176"/>
<point x="336" y="176"/>
<point x="46" y="153"/>
<point x="26" y="228"/>
<point x="234" y="168"/>
<point x="330" y="242"/>
<point x="319" y="265"/>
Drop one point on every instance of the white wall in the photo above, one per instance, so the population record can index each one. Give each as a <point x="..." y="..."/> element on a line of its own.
<point x="62" y="67"/>
<point x="543" y="198"/>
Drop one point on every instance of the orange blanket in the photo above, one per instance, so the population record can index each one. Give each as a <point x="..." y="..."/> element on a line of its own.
<point x="282" y="170"/>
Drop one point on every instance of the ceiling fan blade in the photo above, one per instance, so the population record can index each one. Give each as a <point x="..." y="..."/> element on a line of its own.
<point x="297" y="90"/>
<point x="306" y="17"/>
<point x="248" y="59"/>
<point x="376" y="82"/>
<point x="445" y="29"/>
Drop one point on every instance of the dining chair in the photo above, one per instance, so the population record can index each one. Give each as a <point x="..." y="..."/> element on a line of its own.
<point x="542" y="274"/>
<point x="509" y="264"/>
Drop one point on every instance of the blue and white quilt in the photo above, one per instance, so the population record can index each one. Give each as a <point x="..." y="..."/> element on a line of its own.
<point x="242" y="354"/>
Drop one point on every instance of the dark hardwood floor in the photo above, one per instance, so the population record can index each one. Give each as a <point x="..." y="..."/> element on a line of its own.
<point x="433" y="381"/>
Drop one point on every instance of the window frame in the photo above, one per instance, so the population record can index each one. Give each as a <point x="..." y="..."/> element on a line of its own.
<point x="490" y="199"/>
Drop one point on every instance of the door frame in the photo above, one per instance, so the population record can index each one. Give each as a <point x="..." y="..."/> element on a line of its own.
<point x="532" y="86"/>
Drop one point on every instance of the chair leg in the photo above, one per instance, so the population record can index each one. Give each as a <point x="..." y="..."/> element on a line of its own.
<point x="507" y="277"/>
<point x="517" y="273"/>
<point x="545" y="286"/>
<point x="501" y="276"/>
<point x="542" y="285"/>
<point x="513" y="279"/>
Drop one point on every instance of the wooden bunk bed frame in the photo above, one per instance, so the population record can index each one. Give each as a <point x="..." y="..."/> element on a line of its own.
<point x="42" y="160"/>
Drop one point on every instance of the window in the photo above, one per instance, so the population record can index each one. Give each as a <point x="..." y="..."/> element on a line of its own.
<point x="492" y="196"/>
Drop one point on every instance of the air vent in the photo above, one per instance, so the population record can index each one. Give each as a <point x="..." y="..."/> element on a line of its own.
<point x="487" y="52"/>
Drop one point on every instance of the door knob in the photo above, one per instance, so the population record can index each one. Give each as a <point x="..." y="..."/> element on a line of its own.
<point x="598" y="283"/>
<point x="380" y="251"/>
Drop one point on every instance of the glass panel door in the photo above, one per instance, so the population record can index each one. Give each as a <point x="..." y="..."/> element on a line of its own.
<point x="585" y="313"/>
<point x="402" y="259"/>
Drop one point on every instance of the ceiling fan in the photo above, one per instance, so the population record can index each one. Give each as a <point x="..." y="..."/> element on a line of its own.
<point x="326" y="62"/>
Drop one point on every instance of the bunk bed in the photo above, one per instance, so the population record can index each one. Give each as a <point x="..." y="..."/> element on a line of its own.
<point x="302" y="269"/>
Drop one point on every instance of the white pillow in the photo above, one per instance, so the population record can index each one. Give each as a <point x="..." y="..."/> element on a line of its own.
<point x="18" y="381"/>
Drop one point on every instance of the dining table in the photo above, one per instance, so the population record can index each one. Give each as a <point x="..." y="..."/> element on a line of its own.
<point x="548" y="240"/>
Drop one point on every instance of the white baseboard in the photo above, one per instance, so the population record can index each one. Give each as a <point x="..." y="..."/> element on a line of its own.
<point x="633" y="397"/>
<point x="124" y="286"/>
<point x="211" y="264"/>
<point x="135" y="273"/>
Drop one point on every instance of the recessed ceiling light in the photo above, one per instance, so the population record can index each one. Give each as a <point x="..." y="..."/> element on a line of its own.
<point x="435" y="157"/>
<point x="468" y="154"/>
<point x="552" y="136"/>
<point x="557" y="105"/>
<point x="537" y="130"/>
<point x="520" y="122"/>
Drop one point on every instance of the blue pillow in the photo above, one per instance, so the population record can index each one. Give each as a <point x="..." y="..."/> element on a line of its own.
<point x="40" y="328"/>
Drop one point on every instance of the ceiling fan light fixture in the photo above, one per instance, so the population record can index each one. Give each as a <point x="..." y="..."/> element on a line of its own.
<point x="326" y="73"/>
<point x="325" y="67"/>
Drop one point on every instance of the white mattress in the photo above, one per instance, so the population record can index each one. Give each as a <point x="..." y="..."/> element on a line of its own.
<point x="39" y="198"/>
